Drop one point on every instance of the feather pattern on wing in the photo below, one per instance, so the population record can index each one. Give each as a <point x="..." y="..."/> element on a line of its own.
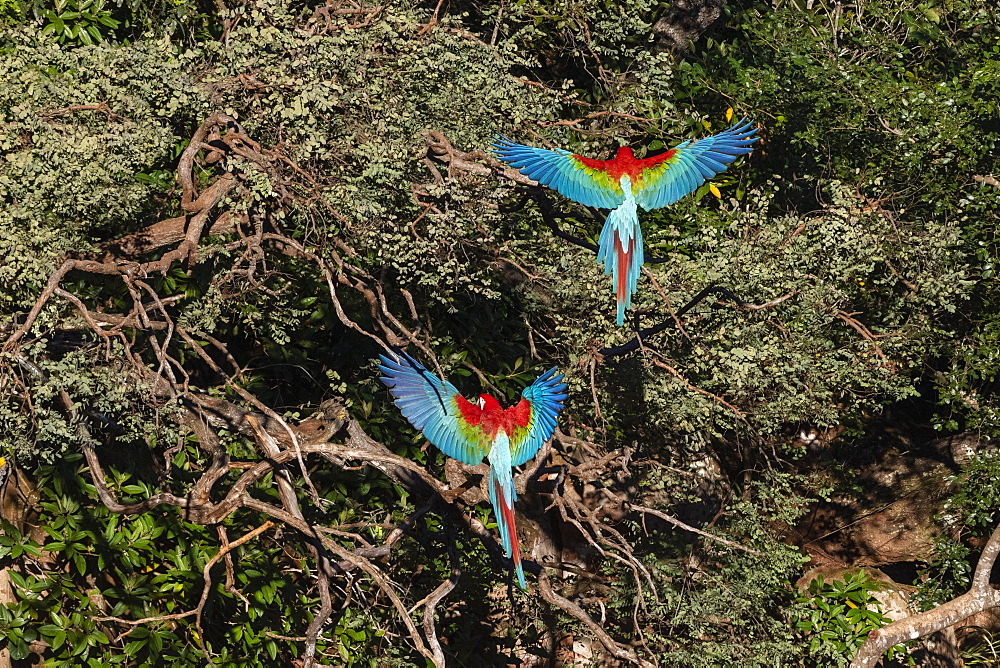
<point x="469" y="432"/>
<point x="625" y="182"/>
<point x="562" y="171"/>
<point x="435" y="407"/>
<point x="691" y="164"/>
<point x="545" y="398"/>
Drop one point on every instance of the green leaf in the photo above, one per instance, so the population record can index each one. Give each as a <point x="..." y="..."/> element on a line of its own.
<point x="18" y="648"/>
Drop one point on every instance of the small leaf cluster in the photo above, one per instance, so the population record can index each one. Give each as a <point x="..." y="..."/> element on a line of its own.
<point x="839" y="616"/>
<point x="78" y="21"/>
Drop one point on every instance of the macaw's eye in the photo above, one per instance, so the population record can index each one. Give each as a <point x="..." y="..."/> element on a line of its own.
<point x="482" y="403"/>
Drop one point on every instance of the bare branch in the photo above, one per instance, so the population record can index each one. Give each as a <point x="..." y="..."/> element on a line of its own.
<point x="687" y="527"/>
<point x="617" y="650"/>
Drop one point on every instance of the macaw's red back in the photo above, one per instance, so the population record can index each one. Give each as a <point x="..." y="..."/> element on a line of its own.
<point x="490" y="417"/>
<point x="624" y="164"/>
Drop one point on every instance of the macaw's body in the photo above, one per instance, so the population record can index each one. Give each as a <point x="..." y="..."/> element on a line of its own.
<point x="624" y="183"/>
<point x="473" y="431"/>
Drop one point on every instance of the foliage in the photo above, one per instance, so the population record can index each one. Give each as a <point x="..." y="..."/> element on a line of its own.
<point x="969" y="513"/>
<point x="364" y="212"/>
<point x="151" y="564"/>
<point x="79" y="21"/>
<point x="981" y="653"/>
<point x="840" y="615"/>
<point x="109" y="390"/>
<point x="54" y="124"/>
<point x="736" y="604"/>
<point x="902" y="121"/>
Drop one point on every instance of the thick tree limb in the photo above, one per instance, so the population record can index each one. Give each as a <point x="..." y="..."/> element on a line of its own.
<point x="684" y="23"/>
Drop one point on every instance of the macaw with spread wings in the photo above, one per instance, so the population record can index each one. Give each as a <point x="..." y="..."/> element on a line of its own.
<point x="471" y="432"/>
<point x="625" y="182"/>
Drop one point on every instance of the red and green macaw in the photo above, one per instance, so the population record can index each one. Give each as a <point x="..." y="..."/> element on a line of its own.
<point x="625" y="182"/>
<point x="471" y="432"/>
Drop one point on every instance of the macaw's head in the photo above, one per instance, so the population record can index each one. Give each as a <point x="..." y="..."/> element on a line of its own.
<point x="625" y="153"/>
<point x="488" y="404"/>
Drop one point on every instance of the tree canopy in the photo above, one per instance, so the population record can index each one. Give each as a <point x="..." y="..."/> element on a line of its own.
<point x="214" y="216"/>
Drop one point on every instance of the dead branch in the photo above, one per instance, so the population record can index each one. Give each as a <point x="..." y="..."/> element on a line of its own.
<point x="988" y="179"/>
<point x="166" y="232"/>
<point x="101" y="107"/>
<point x="687" y="527"/>
<point x="865" y="333"/>
<point x="361" y="562"/>
<point x="616" y="649"/>
<point x="436" y="597"/>
<point x="206" y="575"/>
<point x="694" y="388"/>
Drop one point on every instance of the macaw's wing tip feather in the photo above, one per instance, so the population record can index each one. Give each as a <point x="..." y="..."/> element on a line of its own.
<point x="694" y="163"/>
<point x="545" y="397"/>
<point x="502" y="145"/>
<point x="562" y="171"/>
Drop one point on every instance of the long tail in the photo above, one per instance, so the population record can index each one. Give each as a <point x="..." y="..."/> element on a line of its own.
<point x="621" y="252"/>
<point x="503" y="496"/>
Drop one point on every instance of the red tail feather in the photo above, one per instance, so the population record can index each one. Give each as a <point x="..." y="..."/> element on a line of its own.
<point x="623" y="266"/>
<point x="508" y="516"/>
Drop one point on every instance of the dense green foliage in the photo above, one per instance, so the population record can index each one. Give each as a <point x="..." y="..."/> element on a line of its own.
<point x="857" y="230"/>
<point x="841" y="614"/>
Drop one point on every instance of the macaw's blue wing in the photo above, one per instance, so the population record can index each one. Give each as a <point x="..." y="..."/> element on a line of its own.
<point x="539" y="407"/>
<point x="562" y="171"/>
<point x="691" y="164"/>
<point x="435" y="407"/>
